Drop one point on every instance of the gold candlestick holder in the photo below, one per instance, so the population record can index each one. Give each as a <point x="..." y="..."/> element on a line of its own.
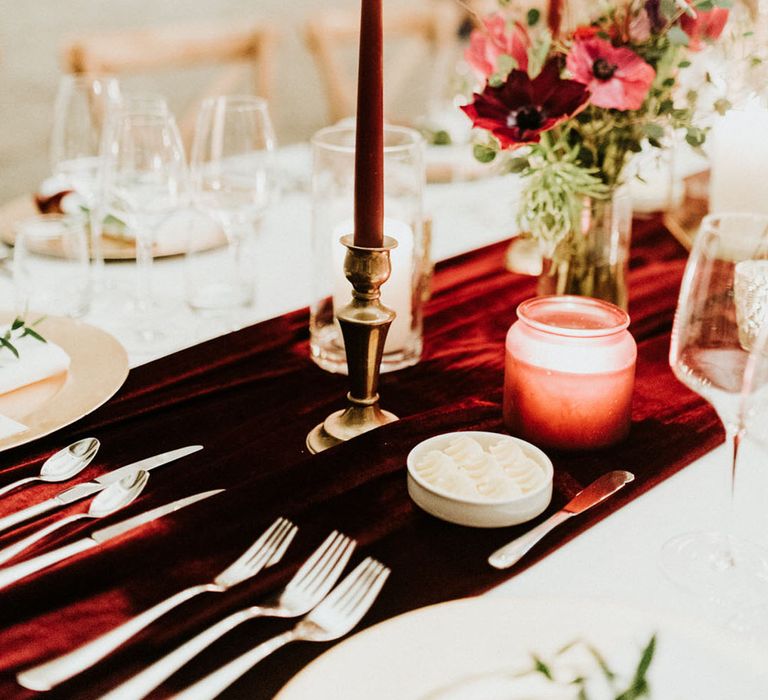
<point x="364" y="324"/>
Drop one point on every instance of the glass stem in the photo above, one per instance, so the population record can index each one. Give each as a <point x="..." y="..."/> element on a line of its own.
<point x="143" y="237"/>
<point x="97" y="254"/>
<point x="735" y="436"/>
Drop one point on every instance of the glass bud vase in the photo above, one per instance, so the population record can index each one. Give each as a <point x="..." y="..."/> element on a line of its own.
<point x="593" y="260"/>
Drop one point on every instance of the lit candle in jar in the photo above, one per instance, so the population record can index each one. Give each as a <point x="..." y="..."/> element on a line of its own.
<point x="569" y="373"/>
<point x="739" y="162"/>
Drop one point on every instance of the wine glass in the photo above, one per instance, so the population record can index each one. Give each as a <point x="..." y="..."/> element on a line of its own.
<point x="145" y="183"/>
<point x="82" y="105"/>
<point x="233" y="182"/>
<point x="752" y="619"/>
<point x="709" y="353"/>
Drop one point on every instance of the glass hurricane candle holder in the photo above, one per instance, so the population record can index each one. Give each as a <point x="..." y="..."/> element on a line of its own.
<point x="333" y="169"/>
<point x="569" y="373"/>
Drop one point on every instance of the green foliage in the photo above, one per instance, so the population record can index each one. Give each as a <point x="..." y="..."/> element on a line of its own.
<point x="17" y="330"/>
<point x="483" y="153"/>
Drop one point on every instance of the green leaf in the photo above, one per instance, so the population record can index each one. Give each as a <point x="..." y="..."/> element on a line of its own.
<point x="34" y="334"/>
<point x="4" y="342"/>
<point x="533" y="17"/>
<point x="655" y="131"/>
<point x="484" y="154"/>
<point x="695" y="136"/>
<point x="677" y="37"/>
<point x="517" y="165"/>
<point x="684" y="64"/>
<point x="441" y="138"/>
<point x="496" y="80"/>
<point x="17" y="323"/>
<point x="504" y="64"/>
<point x="542" y="668"/>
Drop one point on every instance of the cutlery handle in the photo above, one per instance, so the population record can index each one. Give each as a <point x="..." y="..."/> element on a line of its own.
<point x="27" y="513"/>
<point x="19" y="571"/>
<point x="215" y="683"/>
<point x="511" y="553"/>
<point x="144" y="682"/>
<point x="9" y="487"/>
<point x="48" y="675"/>
<point x="12" y="550"/>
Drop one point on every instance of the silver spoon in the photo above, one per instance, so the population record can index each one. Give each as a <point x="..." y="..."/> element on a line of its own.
<point x="62" y="465"/>
<point x="106" y="502"/>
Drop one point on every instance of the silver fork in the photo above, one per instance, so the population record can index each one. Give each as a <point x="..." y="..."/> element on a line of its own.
<point x="303" y="592"/>
<point x="333" y="618"/>
<point x="265" y="551"/>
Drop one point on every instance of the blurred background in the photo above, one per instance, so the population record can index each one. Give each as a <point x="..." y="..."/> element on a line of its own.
<point x="33" y="37"/>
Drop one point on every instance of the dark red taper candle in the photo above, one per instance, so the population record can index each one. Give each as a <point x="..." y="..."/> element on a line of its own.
<point x="369" y="146"/>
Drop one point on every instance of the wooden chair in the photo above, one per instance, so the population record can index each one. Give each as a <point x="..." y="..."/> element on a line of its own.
<point x="433" y="26"/>
<point x="240" y="51"/>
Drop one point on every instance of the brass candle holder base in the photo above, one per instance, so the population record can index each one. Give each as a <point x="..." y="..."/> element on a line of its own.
<point x="364" y="323"/>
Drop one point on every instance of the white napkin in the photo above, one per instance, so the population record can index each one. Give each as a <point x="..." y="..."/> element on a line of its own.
<point x="36" y="361"/>
<point x="9" y="427"/>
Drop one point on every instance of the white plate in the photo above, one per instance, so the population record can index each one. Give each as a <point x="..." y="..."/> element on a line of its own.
<point x="98" y="369"/>
<point x="437" y="648"/>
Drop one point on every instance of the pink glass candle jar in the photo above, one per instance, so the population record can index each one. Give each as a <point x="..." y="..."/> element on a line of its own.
<point x="569" y="373"/>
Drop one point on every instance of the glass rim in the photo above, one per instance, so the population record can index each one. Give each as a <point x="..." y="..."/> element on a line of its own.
<point x="43" y="222"/>
<point x="416" y="139"/>
<point x="620" y="316"/>
<point x="237" y="100"/>
<point x="710" y="220"/>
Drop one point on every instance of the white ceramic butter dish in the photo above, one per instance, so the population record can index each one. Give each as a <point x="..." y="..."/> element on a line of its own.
<point x="472" y="495"/>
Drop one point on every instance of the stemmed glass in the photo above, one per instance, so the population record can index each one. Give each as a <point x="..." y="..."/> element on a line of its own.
<point x="709" y="354"/>
<point x="145" y="182"/>
<point x="82" y="105"/>
<point x="233" y="182"/>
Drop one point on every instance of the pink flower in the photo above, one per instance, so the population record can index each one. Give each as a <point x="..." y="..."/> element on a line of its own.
<point x="640" y="27"/>
<point x="617" y="77"/>
<point x="518" y="111"/>
<point x="707" y="25"/>
<point x="497" y="39"/>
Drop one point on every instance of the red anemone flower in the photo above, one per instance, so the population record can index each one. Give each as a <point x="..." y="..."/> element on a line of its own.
<point x="707" y="25"/>
<point x="497" y="39"/>
<point x="518" y="111"/>
<point x="617" y="77"/>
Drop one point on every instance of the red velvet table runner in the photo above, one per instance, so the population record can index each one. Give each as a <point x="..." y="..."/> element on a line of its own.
<point x="250" y="398"/>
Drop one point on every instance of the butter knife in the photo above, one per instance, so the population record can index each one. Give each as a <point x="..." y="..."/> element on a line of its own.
<point x="595" y="493"/>
<point x="30" y="566"/>
<point x="88" y="488"/>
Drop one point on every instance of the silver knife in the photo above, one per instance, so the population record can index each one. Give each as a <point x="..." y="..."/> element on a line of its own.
<point x="595" y="493"/>
<point x="14" y="573"/>
<point x="88" y="488"/>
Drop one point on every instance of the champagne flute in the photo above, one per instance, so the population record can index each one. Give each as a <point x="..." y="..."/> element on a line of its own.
<point x="82" y="105"/>
<point x="145" y="182"/>
<point x="233" y="181"/>
<point x="709" y="354"/>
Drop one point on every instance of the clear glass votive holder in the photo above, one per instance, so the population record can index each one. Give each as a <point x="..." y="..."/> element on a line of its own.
<point x="333" y="178"/>
<point x="569" y="373"/>
<point x="750" y="288"/>
<point x="51" y="266"/>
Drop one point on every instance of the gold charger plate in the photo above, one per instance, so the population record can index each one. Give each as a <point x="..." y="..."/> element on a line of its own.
<point x="98" y="368"/>
<point x="113" y="247"/>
